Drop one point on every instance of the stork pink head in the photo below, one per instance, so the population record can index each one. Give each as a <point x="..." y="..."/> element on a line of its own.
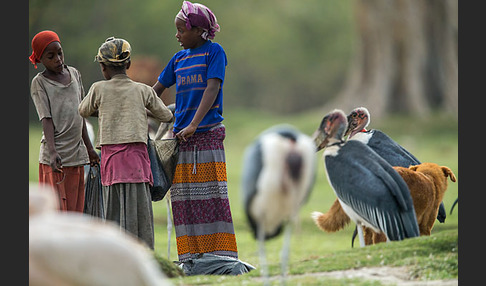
<point x="331" y="129"/>
<point x="358" y="120"/>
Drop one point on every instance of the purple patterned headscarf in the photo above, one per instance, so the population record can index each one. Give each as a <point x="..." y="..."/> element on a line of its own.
<point x="198" y="15"/>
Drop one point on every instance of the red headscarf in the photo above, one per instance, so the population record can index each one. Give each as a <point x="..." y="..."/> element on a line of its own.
<point x="39" y="44"/>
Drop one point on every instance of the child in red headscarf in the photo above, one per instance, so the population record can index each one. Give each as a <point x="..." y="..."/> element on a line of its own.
<point x="65" y="145"/>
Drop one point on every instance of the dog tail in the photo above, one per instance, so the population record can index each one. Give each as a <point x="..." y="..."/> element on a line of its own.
<point x="333" y="220"/>
<point x="454" y="204"/>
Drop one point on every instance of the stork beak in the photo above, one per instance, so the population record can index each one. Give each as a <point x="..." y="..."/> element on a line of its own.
<point x="320" y="139"/>
<point x="352" y="128"/>
<point x="353" y="133"/>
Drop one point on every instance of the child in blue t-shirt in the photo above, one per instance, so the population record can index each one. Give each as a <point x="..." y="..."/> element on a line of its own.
<point x="198" y="72"/>
<point x="199" y="193"/>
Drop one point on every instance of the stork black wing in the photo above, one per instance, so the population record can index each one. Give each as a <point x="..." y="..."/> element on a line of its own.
<point x="397" y="155"/>
<point x="391" y="151"/>
<point x="373" y="189"/>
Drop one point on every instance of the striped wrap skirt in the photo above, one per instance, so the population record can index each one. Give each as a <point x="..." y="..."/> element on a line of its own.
<point x="199" y="198"/>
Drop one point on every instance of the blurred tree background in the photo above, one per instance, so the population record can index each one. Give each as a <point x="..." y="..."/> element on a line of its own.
<point x="284" y="56"/>
<point x="406" y="57"/>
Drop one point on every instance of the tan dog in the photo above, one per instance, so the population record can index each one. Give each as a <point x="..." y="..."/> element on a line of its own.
<point x="427" y="183"/>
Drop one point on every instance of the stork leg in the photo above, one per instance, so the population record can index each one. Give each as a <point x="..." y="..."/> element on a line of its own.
<point x="169" y="227"/>
<point x="360" y="235"/>
<point x="285" y="252"/>
<point x="263" y="260"/>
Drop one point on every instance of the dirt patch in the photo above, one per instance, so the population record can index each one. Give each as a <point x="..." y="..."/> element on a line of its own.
<point x="399" y="276"/>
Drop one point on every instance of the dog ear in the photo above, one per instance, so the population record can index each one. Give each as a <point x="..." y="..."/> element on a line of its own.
<point x="413" y="168"/>
<point x="448" y="172"/>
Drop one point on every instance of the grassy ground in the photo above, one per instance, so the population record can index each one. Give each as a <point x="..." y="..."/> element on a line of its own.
<point x="431" y="140"/>
<point x="422" y="259"/>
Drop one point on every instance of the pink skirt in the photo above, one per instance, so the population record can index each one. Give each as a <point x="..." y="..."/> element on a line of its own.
<point x="125" y="163"/>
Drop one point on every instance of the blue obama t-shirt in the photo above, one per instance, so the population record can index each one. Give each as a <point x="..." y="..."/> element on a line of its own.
<point x="190" y="69"/>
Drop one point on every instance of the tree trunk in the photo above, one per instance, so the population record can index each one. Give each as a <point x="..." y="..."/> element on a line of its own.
<point x="405" y="60"/>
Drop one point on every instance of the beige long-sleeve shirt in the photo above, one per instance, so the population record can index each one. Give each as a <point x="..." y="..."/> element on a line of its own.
<point x="121" y="104"/>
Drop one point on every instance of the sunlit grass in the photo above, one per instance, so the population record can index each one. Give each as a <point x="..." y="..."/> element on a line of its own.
<point x="432" y="140"/>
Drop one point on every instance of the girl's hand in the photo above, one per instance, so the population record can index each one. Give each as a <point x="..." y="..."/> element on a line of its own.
<point x="55" y="162"/>
<point x="186" y="132"/>
<point x="93" y="157"/>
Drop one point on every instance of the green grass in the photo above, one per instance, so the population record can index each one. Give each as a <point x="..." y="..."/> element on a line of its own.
<point x="426" y="258"/>
<point x="432" y="140"/>
<point x="429" y="257"/>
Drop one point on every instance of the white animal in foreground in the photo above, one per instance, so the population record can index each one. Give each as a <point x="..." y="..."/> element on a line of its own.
<point x="67" y="248"/>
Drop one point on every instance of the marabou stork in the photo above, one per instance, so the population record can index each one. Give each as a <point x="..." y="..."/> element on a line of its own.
<point x="279" y="170"/>
<point x="382" y="144"/>
<point x="370" y="191"/>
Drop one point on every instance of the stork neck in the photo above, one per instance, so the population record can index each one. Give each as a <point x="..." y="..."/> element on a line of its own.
<point x="335" y="142"/>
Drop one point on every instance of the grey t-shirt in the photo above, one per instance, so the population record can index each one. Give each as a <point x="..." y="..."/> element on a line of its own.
<point x="60" y="102"/>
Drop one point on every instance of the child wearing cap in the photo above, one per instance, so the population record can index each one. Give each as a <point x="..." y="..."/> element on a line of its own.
<point x="65" y="145"/>
<point x="199" y="193"/>
<point x="120" y="105"/>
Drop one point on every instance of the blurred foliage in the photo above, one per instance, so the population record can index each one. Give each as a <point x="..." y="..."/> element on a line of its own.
<point x="283" y="56"/>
